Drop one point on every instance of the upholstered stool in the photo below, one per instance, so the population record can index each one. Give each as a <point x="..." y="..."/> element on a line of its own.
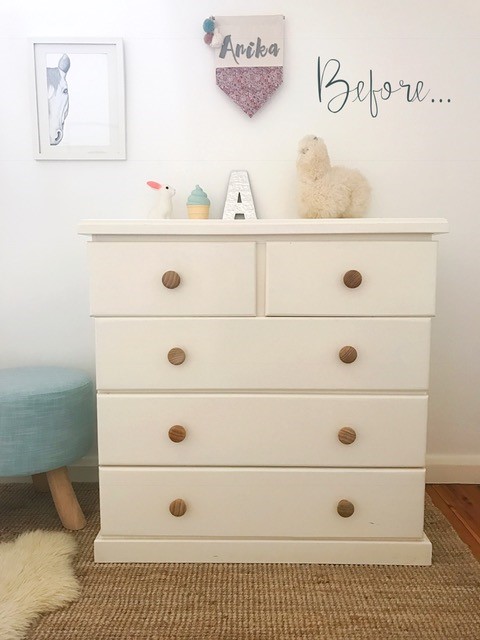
<point x="46" y="423"/>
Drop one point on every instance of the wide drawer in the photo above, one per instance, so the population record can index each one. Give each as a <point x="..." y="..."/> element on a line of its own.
<point x="208" y="278"/>
<point x="256" y="502"/>
<point x="262" y="353"/>
<point x="262" y="430"/>
<point x="351" y="278"/>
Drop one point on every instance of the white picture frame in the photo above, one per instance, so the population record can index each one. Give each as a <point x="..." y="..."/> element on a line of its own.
<point x="79" y="99"/>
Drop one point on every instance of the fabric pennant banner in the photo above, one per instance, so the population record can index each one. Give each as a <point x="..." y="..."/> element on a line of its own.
<point x="249" y="62"/>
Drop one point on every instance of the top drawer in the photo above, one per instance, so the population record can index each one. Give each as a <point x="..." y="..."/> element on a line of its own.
<point x="215" y="278"/>
<point x="307" y="278"/>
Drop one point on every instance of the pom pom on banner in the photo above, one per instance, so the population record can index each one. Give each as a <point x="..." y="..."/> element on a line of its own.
<point x="212" y="35"/>
<point x="209" y="25"/>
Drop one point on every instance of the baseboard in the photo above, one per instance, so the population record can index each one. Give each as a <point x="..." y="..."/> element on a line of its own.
<point x="441" y="469"/>
<point x="453" y="469"/>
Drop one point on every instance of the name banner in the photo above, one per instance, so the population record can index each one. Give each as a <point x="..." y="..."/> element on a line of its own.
<point x="249" y="61"/>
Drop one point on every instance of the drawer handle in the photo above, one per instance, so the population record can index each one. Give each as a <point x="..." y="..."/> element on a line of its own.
<point x="176" y="356"/>
<point x="347" y="435"/>
<point x="345" y="508"/>
<point x="178" y="507"/>
<point x="171" y="279"/>
<point x="347" y="354"/>
<point x="352" y="279"/>
<point x="177" y="433"/>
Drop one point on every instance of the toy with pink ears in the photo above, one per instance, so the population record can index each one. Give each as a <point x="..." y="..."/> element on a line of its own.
<point x="163" y="205"/>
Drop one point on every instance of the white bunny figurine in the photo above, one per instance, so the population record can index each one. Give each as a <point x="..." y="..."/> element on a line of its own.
<point x="163" y="206"/>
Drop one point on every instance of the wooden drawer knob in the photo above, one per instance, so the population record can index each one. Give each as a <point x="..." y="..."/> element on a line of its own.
<point x="177" y="433"/>
<point x="178" y="507"/>
<point x="176" y="356"/>
<point x="171" y="279"/>
<point x="352" y="279"/>
<point x="347" y="354"/>
<point x="345" y="508"/>
<point x="347" y="435"/>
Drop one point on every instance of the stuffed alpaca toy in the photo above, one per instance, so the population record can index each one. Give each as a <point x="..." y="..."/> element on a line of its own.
<point x="325" y="191"/>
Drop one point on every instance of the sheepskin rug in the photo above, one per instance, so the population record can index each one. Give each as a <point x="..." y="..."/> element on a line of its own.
<point x="36" y="576"/>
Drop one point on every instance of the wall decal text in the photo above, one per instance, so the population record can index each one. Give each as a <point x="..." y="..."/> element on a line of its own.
<point x="336" y="92"/>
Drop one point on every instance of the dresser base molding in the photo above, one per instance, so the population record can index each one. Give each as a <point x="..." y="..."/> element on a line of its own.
<point x="381" y="552"/>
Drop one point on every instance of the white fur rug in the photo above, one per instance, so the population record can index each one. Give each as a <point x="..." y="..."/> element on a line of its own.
<point x="36" y="576"/>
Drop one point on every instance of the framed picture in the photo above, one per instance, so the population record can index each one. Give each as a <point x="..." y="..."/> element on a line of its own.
<point x="79" y="95"/>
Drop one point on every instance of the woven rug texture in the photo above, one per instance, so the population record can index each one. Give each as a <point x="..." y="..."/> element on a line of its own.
<point x="253" y="602"/>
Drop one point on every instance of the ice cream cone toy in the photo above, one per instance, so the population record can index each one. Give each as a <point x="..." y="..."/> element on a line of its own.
<point x="198" y="204"/>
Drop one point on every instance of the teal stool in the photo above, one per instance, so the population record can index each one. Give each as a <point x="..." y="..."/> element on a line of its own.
<point x="46" y="423"/>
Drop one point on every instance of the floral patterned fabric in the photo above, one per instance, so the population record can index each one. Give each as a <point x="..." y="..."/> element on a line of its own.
<point x="249" y="87"/>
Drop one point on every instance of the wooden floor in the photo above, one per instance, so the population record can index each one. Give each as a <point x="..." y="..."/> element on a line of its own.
<point x="460" y="504"/>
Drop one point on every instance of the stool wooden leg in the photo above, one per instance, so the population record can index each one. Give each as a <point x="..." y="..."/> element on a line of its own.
<point x="65" y="500"/>
<point x="40" y="482"/>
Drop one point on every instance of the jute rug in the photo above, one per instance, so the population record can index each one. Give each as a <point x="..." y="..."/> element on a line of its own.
<point x="255" y="602"/>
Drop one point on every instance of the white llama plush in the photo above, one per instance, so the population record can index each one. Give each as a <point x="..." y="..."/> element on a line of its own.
<point x="163" y="201"/>
<point x="325" y="191"/>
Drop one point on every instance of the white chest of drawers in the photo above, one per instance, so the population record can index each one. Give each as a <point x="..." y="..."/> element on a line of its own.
<point x="262" y="389"/>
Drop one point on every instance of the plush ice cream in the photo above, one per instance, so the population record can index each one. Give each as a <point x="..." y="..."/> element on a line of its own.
<point x="198" y="204"/>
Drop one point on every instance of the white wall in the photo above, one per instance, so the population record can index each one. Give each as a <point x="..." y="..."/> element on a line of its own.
<point x="421" y="158"/>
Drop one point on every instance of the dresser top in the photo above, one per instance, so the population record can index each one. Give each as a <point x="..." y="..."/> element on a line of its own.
<point x="289" y="226"/>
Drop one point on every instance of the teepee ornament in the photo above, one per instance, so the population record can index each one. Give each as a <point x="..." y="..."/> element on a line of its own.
<point x="217" y="39"/>
<point x="248" y="57"/>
